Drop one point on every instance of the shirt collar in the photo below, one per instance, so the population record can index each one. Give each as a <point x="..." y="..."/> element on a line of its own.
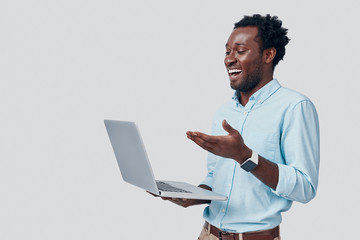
<point x="262" y="94"/>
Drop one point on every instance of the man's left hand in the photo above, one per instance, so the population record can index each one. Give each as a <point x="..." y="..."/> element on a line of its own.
<point x="230" y="146"/>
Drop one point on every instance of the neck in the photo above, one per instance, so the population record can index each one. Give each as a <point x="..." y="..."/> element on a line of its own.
<point x="245" y="96"/>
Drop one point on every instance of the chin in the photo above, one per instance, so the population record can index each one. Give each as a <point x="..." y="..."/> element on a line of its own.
<point x="235" y="85"/>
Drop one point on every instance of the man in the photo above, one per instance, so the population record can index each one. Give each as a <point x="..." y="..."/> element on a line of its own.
<point x="264" y="151"/>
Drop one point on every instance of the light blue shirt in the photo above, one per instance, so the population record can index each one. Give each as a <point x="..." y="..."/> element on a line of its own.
<point x="282" y="126"/>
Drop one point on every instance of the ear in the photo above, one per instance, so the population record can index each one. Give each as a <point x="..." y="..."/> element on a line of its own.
<point x="269" y="54"/>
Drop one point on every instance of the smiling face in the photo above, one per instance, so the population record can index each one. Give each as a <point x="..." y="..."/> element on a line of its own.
<point x="244" y="60"/>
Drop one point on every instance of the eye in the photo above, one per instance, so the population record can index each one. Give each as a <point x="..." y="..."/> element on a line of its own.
<point x="227" y="53"/>
<point x="241" y="52"/>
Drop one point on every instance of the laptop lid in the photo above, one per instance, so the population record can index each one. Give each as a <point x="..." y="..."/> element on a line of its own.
<point x="128" y="146"/>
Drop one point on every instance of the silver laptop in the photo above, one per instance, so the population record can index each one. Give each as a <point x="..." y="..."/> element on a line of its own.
<point x="135" y="167"/>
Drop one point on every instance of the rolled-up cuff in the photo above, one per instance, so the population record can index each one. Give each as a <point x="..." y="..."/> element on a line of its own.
<point x="207" y="181"/>
<point x="286" y="182"/>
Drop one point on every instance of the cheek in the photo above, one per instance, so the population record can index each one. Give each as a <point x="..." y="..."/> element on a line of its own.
<point x="244" y="60"/>
<point x="250" y="63"/>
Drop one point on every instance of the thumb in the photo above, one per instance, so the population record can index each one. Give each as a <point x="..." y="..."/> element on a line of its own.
<point x="228" y="128"/>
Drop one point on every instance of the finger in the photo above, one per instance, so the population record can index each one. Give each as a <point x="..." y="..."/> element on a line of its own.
<point x="228" y="128"/>
<point x="173" y="201"/>
<point x="207" y="138"/>
<point x="208" y="146"/>
<point x="189" y="135"/>
<point x="199" y="139"/>
<point x="203" y="136"/>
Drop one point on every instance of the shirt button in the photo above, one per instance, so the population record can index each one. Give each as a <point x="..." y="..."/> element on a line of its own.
<point x="229" y="185"/>
<point x="245" y="112"/>
<point x="223" y="210"/>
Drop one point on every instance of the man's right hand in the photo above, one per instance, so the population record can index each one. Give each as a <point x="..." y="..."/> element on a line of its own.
<point x="184" y="202"/>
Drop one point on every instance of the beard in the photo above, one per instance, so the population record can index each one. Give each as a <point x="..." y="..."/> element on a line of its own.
<point x="251" y="80"/>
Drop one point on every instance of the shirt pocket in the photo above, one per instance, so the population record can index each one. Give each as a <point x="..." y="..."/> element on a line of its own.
<point x="264" y="144"/>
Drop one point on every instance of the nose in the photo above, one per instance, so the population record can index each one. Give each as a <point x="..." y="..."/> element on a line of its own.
<point x="230" y="59"/>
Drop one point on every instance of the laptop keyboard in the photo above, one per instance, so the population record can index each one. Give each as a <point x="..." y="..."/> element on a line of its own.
<point x="168" y="188"/>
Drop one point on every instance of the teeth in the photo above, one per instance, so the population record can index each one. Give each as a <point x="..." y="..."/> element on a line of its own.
<point x="234" y="71"/>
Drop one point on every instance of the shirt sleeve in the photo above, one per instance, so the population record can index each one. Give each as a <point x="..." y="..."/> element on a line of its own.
<point x="211" y="161"/>
<point x="300" y="147"/>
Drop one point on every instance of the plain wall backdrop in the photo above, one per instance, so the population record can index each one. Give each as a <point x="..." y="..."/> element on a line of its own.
<point x="67" y="65"/>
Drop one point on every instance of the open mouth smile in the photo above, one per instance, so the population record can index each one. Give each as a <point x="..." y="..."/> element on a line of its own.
<point x="234" y="72"/>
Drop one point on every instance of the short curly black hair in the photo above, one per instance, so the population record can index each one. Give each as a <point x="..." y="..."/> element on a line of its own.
<point x="271" y="33"/>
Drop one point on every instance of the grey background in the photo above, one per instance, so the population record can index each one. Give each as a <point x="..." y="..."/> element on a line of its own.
<point x="66" y="65"/>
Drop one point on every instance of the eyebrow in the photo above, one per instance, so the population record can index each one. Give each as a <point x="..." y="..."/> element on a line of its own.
<point x="237" y="44"/>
